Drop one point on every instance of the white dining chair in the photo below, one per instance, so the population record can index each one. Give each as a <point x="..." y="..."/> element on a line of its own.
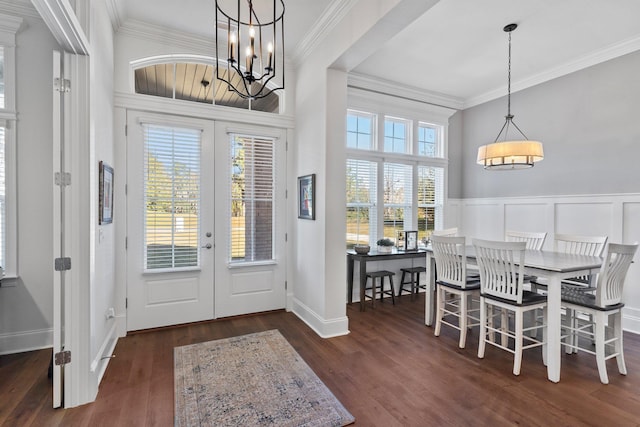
<point x="456" y="290"/>
<point x="599" y="306"/>
<point x="446" y="232"/>
<point x="501" y="267"/>
<point x="534" y="240"/>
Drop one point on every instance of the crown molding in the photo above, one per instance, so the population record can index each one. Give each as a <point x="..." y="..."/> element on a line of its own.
<point x="332" y="15"/>
<point x="603" y="55"/>
<point x="114" y="14"/>
<point x="23" y="8"/>
<point x="158" y="33"/>
<point x="399" y="90"/>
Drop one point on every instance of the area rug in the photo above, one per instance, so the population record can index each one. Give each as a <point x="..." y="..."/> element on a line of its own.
<point x="251" y="380"/>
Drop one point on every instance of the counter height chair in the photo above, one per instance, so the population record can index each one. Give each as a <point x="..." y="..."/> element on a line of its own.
<point x="605" y="302"/>
<point x="501" y="267"/>
<point x="455" y="289"/>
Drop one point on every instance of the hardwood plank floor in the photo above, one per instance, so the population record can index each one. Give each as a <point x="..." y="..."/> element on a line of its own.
<point x="389" y="371"/>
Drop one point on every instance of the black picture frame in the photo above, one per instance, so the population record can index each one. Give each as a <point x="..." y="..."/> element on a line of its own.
<point x="105" y="209"/>
<point x="307" y="197"/>
<point x="411" y="240"/>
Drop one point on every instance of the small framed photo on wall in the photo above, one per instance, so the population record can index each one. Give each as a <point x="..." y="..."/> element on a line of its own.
<point x="307" y="196"/>
<point x="105" y="209"/>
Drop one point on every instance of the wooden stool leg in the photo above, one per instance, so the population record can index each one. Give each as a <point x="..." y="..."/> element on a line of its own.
<point x="393" y="298"/>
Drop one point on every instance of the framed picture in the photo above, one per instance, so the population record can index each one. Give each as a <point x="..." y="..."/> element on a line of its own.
<point x="410" y="240"/>
<point x="400" y="240"/>
<point x="307" y="196"/>
<point x="105" y="209"/>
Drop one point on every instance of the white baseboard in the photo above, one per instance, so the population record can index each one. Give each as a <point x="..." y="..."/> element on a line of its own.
<point x="100" y="362"/>
<point x="325" y="328"/>
<point x="19" y="342"/>
<point x="631" y="320"/>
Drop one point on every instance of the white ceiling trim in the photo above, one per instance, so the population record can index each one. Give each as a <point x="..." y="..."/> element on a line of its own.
<point x="63" y="24"/>
<point x="323" y="26"/>
<point x="606" y="54"/>
<point x="21" y="9"/>
<point x="157" y="33"/>
<point x="387" y="87"/>
<point x="114" y="14"/>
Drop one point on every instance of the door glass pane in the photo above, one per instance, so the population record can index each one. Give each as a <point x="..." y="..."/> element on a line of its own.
<point x="362" y="178"/>
<point x="171" y="196"/>
<point x="252" y="198"/>
<point x="398" y="188"/>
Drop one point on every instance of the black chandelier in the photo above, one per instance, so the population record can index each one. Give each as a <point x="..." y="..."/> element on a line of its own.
<point x="255" y="32"/>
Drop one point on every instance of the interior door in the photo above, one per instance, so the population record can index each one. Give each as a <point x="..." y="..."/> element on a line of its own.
<point x="170" y="220"/>
<point x="250" y="219"/>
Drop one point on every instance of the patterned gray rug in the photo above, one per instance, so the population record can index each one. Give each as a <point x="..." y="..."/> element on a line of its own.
<point x="251" y="380"/>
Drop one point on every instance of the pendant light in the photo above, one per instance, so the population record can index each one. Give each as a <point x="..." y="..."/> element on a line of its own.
<point x="520" y="153"/>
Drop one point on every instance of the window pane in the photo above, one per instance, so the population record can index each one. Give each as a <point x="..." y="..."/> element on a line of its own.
<point x="430" y="200"/>
<point x="252" y="198"/>
<point x="397" y="198"/>
<point x="172" y="196"/>
<point x="396" y="135"/>
<point x="429" y="140"/>
<point x="360" y="130"/>
<point x="361" y="201"/>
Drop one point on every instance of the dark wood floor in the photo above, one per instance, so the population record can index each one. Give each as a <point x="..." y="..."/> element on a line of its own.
<point x="389" y="371"/>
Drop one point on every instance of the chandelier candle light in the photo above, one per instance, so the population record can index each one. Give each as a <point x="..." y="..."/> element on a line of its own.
<point x="510" y="154"/>
<point x="249" y="27"/>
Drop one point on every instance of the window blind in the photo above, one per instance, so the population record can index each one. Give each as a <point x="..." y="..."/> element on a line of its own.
<point x="171" y="196"/>
<point x="398" y="195"/>
<point x="362" y="183"/>
<point x="252" y="198"/>
<point x="430" y="200"/>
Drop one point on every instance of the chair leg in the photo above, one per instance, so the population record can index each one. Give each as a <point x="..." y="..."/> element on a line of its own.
<point x="504" y="327"/>
<point x="463" y="319"/>
<point x="483" y="328"/>
<point x="599" y="326"/>
<point x="401" y="284"/>
<point x="517" y="362"/>
<point x="393" y="298"/>
<point x="439" y="309"/>
<point x="619" y="349"/>
<point x="373" y="292"/>
<point x="570" y="326"/>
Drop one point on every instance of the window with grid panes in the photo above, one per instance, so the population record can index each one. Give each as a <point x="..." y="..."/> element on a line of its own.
<point x="252" y="198"/>
<point x="396" y="135"/>
<point x="362" y="179"/>
<point x="360" y="130"/>
<point x="409" y="195"/>
<point x="429" y="140"/>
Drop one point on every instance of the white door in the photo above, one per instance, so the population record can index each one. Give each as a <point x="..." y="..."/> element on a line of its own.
<point x="170" y="220"/>
<point x="250" y="219"/>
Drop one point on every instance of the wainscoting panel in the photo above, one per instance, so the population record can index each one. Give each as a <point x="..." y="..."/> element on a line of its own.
<point x="614" y="215"/>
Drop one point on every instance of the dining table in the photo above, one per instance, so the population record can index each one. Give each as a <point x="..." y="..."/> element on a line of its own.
<point x="555" y="267"/>
<point x="372" y="255"/>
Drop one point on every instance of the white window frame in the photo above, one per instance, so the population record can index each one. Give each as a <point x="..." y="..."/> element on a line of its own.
<point x="416" y="113"/>
<point x="8" y="27"/>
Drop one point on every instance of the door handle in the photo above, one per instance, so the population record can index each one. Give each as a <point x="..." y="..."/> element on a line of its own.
<point x="207" y="246"/>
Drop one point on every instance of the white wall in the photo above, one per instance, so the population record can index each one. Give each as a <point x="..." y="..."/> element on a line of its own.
<point x="26" y="310"/>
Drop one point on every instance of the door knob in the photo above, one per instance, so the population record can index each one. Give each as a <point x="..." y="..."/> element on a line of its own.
<point x="207" y="246"/>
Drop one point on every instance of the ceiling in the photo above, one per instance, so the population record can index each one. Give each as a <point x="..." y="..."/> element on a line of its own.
<point x="458" y="47"/>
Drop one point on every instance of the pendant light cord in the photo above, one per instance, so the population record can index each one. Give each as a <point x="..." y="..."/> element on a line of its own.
<point x="509" y="81"/>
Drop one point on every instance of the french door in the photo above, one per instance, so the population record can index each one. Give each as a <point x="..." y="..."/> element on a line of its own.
<point x="205" y="220"/>
<point x="170" y="253"/>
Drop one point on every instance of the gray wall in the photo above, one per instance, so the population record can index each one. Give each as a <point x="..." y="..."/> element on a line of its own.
<point x="455" y="156"/>
<point x="589" y="122"/>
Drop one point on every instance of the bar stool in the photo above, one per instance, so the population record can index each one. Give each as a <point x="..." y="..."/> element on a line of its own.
<point x="373" y="275"/>
<point x="414" y="280"/>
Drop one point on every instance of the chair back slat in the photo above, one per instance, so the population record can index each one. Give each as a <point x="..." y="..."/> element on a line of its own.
<point x="501" y="267"/>
<point x="580" y="245"/>
<point x="450" y="255"/>
<point x="533" y="240"/>
<point x="613" y="273"/>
